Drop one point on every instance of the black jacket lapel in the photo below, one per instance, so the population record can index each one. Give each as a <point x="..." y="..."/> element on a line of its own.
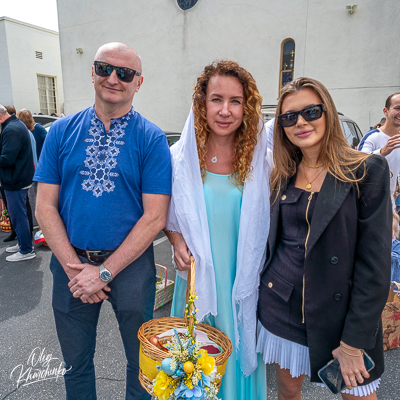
<point x="274" y="225"/>
<point x="330" y="198"/>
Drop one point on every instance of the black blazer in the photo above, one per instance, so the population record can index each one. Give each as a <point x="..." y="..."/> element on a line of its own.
<point x="16" y="156"/>
<point x="348" y="265"/>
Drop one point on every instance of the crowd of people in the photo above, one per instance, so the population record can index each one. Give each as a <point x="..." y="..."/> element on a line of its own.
<point x="16" y="175"/>
<point x="290" y="227"/>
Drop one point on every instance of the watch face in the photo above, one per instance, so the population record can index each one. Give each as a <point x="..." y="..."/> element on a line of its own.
<point x="105" y="276"/>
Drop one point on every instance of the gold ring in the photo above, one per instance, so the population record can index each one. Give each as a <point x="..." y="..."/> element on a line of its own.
<point x="75" y="294"/>
<point x="352" y="379"/>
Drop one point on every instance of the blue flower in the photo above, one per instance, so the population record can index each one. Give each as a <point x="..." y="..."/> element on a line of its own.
<point x="195" y="393"/>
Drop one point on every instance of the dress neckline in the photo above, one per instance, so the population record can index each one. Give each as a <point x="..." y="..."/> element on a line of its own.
<point x="222" y="175"/>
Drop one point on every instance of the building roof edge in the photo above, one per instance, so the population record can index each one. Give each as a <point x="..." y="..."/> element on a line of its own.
<point x="15" y="21"/>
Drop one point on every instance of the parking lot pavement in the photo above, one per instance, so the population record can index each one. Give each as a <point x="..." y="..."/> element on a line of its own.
<point x="27" y="328"/>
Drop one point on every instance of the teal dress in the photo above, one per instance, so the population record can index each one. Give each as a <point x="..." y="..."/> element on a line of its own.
<point x="223" y="203"/>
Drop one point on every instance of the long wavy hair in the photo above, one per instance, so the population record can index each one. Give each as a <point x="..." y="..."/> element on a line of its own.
<point x="339" y="158"/>
<point x="246" y="135"/>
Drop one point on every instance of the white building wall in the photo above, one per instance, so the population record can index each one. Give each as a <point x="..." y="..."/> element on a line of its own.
<point x="352" y="54"/>
<point x="6" y="96"/>
<point x="22" y="42"/>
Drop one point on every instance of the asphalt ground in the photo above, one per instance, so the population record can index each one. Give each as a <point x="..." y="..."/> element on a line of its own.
<point x="27" y="330"/>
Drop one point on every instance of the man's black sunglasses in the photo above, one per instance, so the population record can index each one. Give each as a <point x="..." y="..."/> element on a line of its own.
<point x="310" y="113"/>
<point x="124" y="74"/>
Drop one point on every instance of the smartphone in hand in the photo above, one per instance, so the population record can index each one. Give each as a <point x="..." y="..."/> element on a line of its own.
<point x="332" y="377"/>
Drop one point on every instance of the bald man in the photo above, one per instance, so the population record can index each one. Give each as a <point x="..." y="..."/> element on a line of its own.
<point x="104" y="188"/>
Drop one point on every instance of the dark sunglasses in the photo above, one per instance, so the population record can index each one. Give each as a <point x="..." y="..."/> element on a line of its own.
<point x="124" y="74"/>
<point x="310" y="113"/>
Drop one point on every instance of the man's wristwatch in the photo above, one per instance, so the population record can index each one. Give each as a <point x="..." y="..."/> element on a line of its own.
<point x="105" y="274"/>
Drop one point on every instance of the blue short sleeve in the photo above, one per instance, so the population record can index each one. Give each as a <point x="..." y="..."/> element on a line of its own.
<point x="156" y="176"/>
<point x="47" y="170"/>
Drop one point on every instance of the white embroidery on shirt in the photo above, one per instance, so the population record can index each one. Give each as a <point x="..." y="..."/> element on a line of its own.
<point x="102" y="152"/>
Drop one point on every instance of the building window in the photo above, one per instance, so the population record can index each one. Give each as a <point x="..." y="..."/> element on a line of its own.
<point x="186" y="4"/>
<point x="287" y="62"/>
<point x="47" y="94"/>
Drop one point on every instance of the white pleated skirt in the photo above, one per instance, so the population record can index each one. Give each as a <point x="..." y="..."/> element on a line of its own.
<point x="295" y="357"/>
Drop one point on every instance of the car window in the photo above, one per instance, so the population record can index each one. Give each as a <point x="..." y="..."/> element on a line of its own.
<point x="348" y="132"/>
<point x="358" y="130"/>
<point x="172" y="139"/>
<point x="47" y="126"/>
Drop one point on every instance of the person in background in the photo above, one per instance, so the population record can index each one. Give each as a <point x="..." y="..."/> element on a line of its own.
<point x="12" y="236"/>
<point x="385" y="140"/>
<point x="397" y="199"/>
<point x="325" y="281"/>
<point x="219" y="212"/>
<point x="379" y="124"/>
<point x="16" y="173"/>
<point x="395" y="250"/>
<point x="11" y="109"/>
<point x="38" y="132"/>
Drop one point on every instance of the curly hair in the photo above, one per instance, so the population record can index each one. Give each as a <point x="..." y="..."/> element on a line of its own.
<point x="340" y="159"/>
<point x="247" y="134"/>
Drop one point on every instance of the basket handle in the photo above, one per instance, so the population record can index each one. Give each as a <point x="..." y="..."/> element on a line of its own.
<point x="166" y="274"/>
<point x="190" y="290"/>
<point x="396" y="284"/>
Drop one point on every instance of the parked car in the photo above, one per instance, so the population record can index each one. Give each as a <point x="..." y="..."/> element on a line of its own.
<point x="172" y="137"/>
<point x="45" y="120"/>
<point x="350" y="129"/>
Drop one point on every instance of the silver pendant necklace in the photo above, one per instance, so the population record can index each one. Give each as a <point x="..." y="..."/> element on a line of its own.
<point x="214" y="159"/>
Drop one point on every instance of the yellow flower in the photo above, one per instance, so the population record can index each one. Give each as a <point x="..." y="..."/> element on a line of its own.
<point x="206" y="362"/>
<point x="161" y="386"/>
<point x="188" y="381"/>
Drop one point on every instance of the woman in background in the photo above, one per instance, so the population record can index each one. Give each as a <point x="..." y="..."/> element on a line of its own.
<point x="39" y="133"/>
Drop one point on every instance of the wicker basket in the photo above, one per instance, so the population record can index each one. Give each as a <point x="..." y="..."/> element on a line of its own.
<point x="163" y="294"/>
<point x="150" y="356"/>
<point x="5" y="224"/>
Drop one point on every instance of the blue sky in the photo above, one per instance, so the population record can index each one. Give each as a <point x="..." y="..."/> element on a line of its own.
<point x="37" y="12"/>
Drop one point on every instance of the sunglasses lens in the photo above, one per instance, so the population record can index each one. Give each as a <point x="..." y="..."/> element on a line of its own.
<point x="102" y="70"/>
<point x="288" y="119"/>
<point x="125" y="74"/>
<point x="312" y="113"/>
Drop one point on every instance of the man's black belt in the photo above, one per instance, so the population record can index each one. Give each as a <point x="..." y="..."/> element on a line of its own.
<point x="95" y="256"/>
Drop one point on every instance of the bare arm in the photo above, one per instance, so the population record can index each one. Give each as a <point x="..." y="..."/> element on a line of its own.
<point x="155" y="207"/>
<point x="55" y="233"/>
<point x="181" y="251"/>
<point x="53" y="227"/>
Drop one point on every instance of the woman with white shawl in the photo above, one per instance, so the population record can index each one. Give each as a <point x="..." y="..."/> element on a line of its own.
<point x="219" y="213"/>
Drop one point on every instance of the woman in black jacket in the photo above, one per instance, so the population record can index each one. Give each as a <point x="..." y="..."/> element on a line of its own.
<point x="327" y="273"/>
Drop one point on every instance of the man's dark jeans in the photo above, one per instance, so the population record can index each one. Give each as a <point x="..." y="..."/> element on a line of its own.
<point x="16" y="202"/>
<point x="132" y="298"/>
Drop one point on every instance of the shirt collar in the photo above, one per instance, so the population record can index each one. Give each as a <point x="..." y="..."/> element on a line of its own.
<point x="120" y="120"/>
<point x="5" y="123"/>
